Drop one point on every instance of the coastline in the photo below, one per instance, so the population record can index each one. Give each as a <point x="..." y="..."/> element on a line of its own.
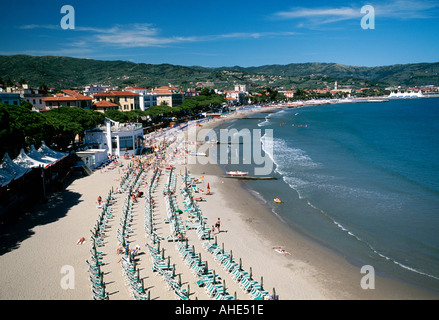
<point x="35" y="249"/>
<point x="312" y="271"/>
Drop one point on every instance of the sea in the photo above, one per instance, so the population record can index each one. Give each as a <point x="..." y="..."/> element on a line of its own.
<point x="360" y="179"/>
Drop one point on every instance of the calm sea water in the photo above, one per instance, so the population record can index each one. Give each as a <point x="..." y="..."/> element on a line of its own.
<point x="361" y="179"/>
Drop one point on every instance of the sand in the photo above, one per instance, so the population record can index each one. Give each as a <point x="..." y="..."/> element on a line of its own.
<point x="35" y="248"/>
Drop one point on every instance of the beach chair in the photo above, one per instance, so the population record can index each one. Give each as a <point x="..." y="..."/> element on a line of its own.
<point x="259" y="294"/>
<point x="181" y="294"/>
<point x="247" y="283"/>
<point x="212" y="288"/>
<point x="230" y="265"/>
<point x="209" y="247"/>
<point x="238" y="273"/>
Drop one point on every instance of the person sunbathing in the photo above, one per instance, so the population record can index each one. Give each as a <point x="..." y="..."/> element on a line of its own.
<point x="282" y="251"/>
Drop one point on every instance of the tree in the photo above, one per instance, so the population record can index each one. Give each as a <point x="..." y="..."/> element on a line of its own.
<point x="26" y="104"/>
<point x="116" y="115"/>
<point x="206" y="92"/>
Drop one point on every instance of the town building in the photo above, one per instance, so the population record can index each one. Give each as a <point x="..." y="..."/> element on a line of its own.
<point x="116" y="139"/>
<point x="241" y="87"/>
<point x="104" y="105"/>
<point x="126" y="100"/>
<point x="68" y="98"/>
<point x="170" y="96"/>
<point x="192" y="92"/>
<point x="10" y="98"/>
<point x="289" y="94"/>
<point x="234" y="97"/>
<point x="93" y="158"/>
<point x="341" y="91"/>
<point x="98" y="88"/>
<point x="146" y="98"/>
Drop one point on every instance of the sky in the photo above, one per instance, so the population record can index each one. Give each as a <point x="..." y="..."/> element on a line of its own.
<point x="224" y="33"/>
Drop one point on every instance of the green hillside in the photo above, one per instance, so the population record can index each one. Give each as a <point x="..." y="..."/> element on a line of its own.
<point x="65" y="72"/>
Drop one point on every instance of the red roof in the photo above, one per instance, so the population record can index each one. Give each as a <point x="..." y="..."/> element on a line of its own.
<point x="105" y="104"/>
<point x="68" y="95"/>
<point x="165" y="90"/>
<point x="116" y="94"/>
<point x="67" y="98"/>
<point x="135" y="88"/>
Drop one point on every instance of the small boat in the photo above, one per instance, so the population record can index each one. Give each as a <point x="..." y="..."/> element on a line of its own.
<point x="277" y="200"/>
<point x="236" y="173"/>
<point x="198" y="154"/>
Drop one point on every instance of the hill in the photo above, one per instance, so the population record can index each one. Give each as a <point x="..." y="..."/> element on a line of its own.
<point x="399" y="74"/>
<point x="64" y="72"/>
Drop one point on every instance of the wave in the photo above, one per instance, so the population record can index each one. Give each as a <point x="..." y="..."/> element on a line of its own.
<point x="264" y="123"/>
<point x="298" y="170"/>
<point x="286" y="157"/>
<point x="367" y="244"/>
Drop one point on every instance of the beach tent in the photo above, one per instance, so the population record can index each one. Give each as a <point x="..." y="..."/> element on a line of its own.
<point x="5" y="178"/>
<point x="14" y="170"/>
<point x="45" y="150"/>
<point x="34" y="154"/>
<point x="24" y="161"/>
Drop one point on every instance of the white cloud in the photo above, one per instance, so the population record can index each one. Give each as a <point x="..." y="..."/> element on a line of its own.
<point x="344" y="12"/>
<point x="140" y="35"/>
<point x="39" y="26"/>
<point x="397" y="9"/>
<point x="144" y="35"/>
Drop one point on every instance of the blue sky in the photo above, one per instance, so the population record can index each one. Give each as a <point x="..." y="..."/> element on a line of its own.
<point x="225" y="33"/>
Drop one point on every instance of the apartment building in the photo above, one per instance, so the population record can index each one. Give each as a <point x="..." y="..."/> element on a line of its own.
<point x="169" y="95"/>
<point x="126" y="100"/>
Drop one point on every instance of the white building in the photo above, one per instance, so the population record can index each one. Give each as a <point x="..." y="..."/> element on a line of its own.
<point x="116" y="138"/>
<point x="241" y="88"/>
<point x="98" y="88"/>
<point x="408" y="94"/>
<point x="146" y="99"/>
<point x="235" y="97"/>
<point x="93" y="158"/>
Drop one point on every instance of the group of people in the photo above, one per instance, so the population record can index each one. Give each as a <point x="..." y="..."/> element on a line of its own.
<point x="128" y="252"/>
<point x="136" y="194"/>
<point x="216" y="226"/>
<point x="179" y="236"/>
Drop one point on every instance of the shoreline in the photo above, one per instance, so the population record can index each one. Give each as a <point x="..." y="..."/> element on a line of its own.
<point x="342" y="278"/>
<point x="39" y="244"/>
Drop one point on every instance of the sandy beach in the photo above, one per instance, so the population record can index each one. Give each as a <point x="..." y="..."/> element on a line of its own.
<point x="38" y="248"/>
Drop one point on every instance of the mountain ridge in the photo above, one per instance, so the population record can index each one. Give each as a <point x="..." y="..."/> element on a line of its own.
<point x="58" y="71"/>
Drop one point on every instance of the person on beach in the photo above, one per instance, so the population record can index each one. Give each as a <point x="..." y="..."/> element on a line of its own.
<point x="213" y="229"/>
<point x="218" y="225"/>
<point x="282" y="251"/>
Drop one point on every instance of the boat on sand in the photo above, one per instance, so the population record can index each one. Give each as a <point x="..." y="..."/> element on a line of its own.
<point x="236" y="173"/>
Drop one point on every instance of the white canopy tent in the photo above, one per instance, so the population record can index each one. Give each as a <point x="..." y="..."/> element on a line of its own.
<point x="34" y="154"/>
<point x="5" y="178"/>
<point x="23" y="160"/>
<point x="12" y="169"/>
<point x="45" y="150"/>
